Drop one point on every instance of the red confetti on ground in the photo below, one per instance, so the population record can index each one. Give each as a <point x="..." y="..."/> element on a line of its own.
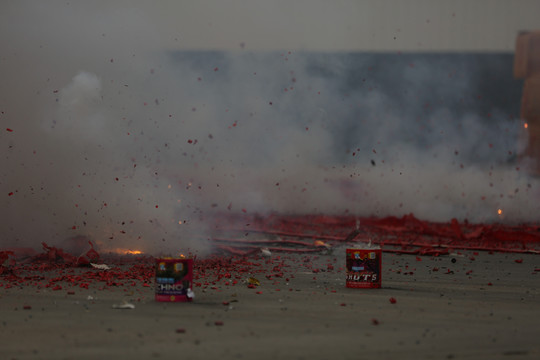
<point x="8" y="129"/>
<point x="27" y="307"/>
<point x="218" y="323"/>
<point x="406" y="235"/>
<point x="392" y="300"/>
<point x="180" y="331"/>
<point x="375" y="321"/>
<point x="53" y="268"/>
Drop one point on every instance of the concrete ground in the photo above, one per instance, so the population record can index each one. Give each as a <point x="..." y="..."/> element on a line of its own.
<point x="461" y="306"/>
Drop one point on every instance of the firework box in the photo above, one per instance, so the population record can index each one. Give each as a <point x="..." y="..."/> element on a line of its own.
<point x="174" y="279"/>
<point x="363" y="267"/>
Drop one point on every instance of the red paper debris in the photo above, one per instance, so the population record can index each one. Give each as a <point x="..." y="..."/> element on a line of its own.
<point x="407" y="235"/>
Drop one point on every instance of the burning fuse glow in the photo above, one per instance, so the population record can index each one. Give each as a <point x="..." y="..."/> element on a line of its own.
<point x="122" y="251"/>
<point x="133" y="252"/>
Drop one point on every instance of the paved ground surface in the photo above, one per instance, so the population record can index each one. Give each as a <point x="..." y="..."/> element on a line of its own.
<point x="477" y="306"/>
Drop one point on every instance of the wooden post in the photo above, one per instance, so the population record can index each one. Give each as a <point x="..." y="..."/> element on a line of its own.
<point x="527" y="66"/>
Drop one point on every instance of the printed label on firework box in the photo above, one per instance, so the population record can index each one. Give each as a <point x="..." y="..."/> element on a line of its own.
<point x="363" y="267"/>
<point x="174" y="279"/>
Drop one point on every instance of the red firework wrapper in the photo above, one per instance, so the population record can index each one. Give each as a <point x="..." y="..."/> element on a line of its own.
<point x="363" y="267"/>
<point x="174" y="279"/>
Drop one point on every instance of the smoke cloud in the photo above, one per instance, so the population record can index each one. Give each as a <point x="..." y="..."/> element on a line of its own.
<point x="117" y="137"/>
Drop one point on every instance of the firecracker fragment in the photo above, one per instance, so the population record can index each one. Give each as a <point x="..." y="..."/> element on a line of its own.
<point x="100" y="266"/>
<point x="266" y="252"/>
<point x="124" y="306"/>
<point x="253" y="281"/>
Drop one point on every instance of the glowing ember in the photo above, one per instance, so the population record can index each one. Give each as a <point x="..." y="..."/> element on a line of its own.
<point x="499" y="211"/>
<point x="525" y="125"/>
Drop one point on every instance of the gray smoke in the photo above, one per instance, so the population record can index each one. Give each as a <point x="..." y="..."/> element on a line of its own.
<point x="135" y="145"/>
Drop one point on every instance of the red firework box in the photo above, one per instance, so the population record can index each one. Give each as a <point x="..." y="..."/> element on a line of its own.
<point x="364" y="267"/>
<point x="174" y="279"/>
